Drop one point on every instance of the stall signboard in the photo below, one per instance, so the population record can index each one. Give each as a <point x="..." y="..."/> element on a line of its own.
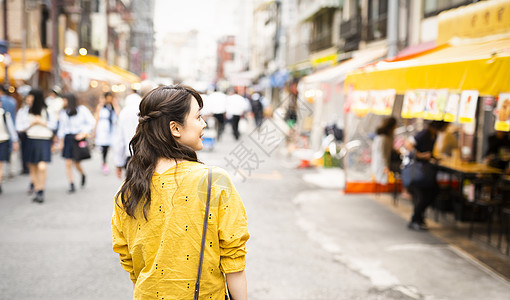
<point x="382" y="101"/>
<point x="452" y="108"/>
<point x="414" y="104"/>
<point x="502" y="113"/>
<point x="409" y="99"/>
<point x="360" y="103"/>
<point x="435" y="104"/>
<point x="467" y="107"/>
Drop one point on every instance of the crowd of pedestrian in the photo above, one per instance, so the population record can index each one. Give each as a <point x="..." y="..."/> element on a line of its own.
<point x="39" y="128"/>
<point x="231" y="106"/>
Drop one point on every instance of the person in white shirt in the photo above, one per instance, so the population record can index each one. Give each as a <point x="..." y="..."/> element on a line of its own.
<point x="106" y="117"/>
<point x="54" y="102"/>
<point x="126" y="126"/>
<point x="7" y="135"/>
<point x="39" y="129"/>
<point x="217" y="106"/>
<point x="76" y="123"/>
<point x="21" y="126"/>
<point x="237" y="105"/>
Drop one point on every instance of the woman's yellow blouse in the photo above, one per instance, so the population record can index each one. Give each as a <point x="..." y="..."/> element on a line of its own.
<point x="161" y="253"/>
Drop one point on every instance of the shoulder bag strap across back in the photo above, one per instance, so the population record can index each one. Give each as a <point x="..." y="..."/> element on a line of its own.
<point x="204" y="233"/>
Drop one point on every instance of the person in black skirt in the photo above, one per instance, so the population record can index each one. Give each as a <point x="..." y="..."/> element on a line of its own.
<point x="39" y="136"/>
<point x="75" y="123"/>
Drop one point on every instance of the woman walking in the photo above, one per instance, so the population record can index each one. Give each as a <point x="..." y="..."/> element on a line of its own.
<point x="39" y="135"/>
<point x="8" y="135"/>
<point x="158" y="218"/>
<point x="106" y="117"/>
<point x="22" y="124"/>
<point x="381" y="150"/>
<point x="75" y="123"/>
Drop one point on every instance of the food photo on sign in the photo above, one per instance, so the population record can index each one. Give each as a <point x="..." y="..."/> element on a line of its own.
<point x="467" y="109"/>
<point x="452" y="108"/>
<point x="502" y="113"/>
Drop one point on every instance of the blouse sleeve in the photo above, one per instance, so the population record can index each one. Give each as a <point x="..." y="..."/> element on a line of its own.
<point x="10" y="127"/>
<point x="88" y="120"/>
<point x="52" y="120"/>
<point x="120" y="245"/>
<point x="232" y="224"/>
<point x="62" y="122"/>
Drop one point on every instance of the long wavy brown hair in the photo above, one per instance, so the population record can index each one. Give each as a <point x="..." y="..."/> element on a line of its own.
<point x="153" y="140"/>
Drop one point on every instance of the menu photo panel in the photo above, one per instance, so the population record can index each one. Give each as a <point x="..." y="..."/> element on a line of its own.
<point x="418" y="107"/>
<point x="361" y="103"/>
<point x="435" y="104"/>
<point x="452" y="108"/>
<point x="502" y="113"/>
<point x="409" y="99"/>
<point x="467" y="107"/>
<point x="382" y="101"/>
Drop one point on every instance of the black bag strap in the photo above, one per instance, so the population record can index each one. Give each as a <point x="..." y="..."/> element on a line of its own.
<point x="204" y="233"/>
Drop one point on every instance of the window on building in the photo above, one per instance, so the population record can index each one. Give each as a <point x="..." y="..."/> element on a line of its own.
<point x="377" y="19"/>
<point x="434" y="7"/>
<point x="322" y="30"/>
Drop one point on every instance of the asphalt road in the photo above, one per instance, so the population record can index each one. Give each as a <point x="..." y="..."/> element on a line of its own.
<point x="308" y="239"/>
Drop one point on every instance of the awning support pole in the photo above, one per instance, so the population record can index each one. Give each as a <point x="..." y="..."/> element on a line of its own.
<point x="392" y="28"/>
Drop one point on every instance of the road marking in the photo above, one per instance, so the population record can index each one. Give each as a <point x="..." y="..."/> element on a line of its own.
<point x="416" y="247"/>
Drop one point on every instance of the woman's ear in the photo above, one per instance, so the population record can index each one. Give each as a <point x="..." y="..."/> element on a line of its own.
<point x="175" y="128"/>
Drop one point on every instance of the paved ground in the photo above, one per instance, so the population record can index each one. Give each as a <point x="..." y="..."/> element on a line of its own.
<point x="309" y="241"/>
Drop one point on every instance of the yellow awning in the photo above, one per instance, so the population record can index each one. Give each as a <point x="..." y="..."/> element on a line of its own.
<point x="40" y="56"/>
<point x="482" y="66"/>
<point x="17" y="73"/>
<point x="90" y="60"/>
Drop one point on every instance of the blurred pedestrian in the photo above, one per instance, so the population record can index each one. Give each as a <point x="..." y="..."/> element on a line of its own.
<point x="39" y="139"/>
<point x="9" y="105"/>
<point x="218" y="107"/>
<point x="381" y="150"/>
<point x="8" y="136"/>
<point x="55" y="102"/>
<point x="126" y="126"/>
<point x="421" y="146"/>
<point x="237" y="105"/>
<point x="106" y="117"/>
<point x="76" y="123"/>
<point x="498" y="150"/>
<point x="257" y="108"/>
<point x="22" y="124"/>
<point x="157" y="222"/>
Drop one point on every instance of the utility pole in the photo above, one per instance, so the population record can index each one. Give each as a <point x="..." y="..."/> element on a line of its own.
<point x="55" y="11"/>
<point x="392" y="26"/>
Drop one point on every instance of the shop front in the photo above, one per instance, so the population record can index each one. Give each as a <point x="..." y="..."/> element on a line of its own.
<point x="90" y="76"/>
<point x="28" y="66"/>
<point x="323" y="92"/>
<point x="464" y="82"/>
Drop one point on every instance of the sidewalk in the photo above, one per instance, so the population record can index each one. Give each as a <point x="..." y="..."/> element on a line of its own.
<point x="455" y="233"/>
<point x="369" y="234"/>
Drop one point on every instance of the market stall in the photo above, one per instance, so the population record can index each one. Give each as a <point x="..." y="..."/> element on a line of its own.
<point x="464" y="81"/>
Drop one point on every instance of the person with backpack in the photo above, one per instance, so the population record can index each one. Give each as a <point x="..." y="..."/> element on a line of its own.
<point x="106" y="117"/>
<point x="8" y="135"/>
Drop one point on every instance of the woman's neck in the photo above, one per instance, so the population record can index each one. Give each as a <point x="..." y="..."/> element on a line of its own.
<point x="164" y="164"/>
